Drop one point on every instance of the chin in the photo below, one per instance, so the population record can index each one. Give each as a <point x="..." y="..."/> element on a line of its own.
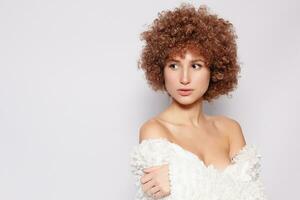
<point x="185" y="100"/>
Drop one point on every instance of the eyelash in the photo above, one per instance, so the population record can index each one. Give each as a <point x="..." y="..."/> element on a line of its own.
<point x="175" y="64"/>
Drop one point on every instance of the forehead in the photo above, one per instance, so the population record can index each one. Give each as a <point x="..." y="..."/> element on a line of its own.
<point x="186" y="52"/>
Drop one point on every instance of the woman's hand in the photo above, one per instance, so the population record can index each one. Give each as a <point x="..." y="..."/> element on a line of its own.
<point x="155" y="181"/>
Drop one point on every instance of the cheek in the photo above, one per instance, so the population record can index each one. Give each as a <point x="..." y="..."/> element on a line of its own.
<point x="203" y="79"/>
<point x="170" y="79"/>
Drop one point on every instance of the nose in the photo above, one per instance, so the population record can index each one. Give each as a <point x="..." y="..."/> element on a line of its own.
<point x="184" y="77"/>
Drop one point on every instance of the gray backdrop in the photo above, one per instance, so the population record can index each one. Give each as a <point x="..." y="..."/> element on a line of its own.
<point x="72" y="99"/>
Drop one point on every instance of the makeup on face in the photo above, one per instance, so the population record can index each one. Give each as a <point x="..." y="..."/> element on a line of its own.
<point x="186" y="75"/>
<point x="185" y="92"/>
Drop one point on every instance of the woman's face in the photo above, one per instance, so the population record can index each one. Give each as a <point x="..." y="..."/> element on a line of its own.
<point x="188" y="72"/>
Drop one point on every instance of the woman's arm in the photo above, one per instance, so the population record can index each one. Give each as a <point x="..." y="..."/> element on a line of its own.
<point x="150" y="162"/>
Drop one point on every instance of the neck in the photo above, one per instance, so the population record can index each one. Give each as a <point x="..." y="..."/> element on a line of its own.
<point x="187" y="115"/>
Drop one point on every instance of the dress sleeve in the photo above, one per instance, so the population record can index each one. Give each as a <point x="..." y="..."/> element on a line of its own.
<point x="249" y="160"/>
<point x="250" y="174"/>
<point x="150" y="152"/>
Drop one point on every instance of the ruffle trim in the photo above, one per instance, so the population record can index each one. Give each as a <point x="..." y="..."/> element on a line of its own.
<point x="241" y="180"/>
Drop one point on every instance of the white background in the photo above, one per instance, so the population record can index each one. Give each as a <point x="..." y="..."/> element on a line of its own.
<point x="72" y="98"/>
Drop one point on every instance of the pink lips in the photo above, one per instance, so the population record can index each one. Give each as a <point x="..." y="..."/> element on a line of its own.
<point x="185" y="92"/>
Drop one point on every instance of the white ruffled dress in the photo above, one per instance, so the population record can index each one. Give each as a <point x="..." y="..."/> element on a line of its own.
<point x="191" y="179"/>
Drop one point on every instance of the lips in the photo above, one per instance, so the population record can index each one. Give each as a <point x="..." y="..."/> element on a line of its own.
<point x="184" y="89"/>
<point x="185" y="92"/>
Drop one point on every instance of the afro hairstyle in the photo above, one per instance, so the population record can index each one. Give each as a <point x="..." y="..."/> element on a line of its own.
<point x="174" y="30"/>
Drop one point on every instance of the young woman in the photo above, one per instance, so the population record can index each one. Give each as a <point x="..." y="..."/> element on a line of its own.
<point x="183" y="153"/>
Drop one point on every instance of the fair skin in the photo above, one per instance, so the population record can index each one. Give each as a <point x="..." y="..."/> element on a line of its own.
<point x="213" y="139"/>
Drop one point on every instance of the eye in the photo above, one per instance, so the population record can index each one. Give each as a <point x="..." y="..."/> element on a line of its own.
<point x="198" y="65"/>
<point x="173" y="66"/>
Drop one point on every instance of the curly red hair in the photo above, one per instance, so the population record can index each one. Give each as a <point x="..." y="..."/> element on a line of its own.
<point x="175" y="30"/>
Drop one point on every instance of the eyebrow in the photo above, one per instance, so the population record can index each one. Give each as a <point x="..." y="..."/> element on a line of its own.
<point x="174" y="60"/>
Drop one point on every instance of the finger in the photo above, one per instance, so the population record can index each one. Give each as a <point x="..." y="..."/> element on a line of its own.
<point x="157" y="195"/>
<point x="149" y="169"/>
<point x="154" y="189"/>
<point x="148" y="186"/>
<point x="146" y="177"/>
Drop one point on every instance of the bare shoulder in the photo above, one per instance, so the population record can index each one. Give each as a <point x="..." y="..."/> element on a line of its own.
<point x="233" y="131"/>
<point x="152" y="129"/>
